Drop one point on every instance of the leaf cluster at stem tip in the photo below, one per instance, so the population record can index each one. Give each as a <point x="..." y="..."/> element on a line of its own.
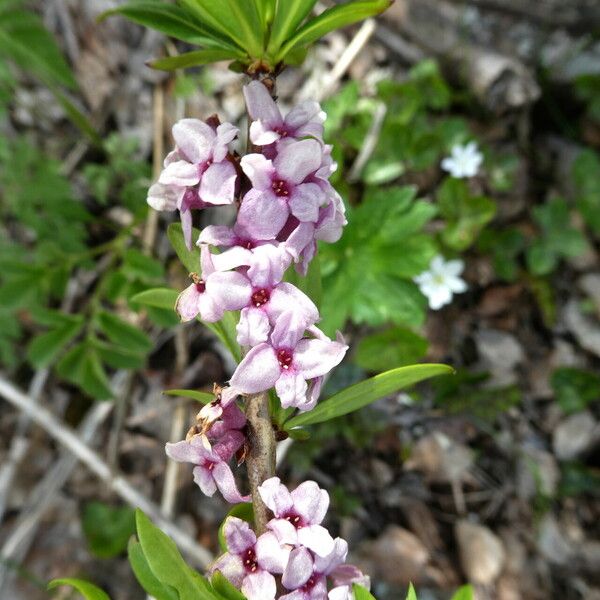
<point x="257" y="36"/>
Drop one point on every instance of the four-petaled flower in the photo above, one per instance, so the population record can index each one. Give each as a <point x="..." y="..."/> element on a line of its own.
<point x="441" y="281"/>
<point x="250" y="563"/>
<point x="464" y="161"/>
<point x="298" y="514"/>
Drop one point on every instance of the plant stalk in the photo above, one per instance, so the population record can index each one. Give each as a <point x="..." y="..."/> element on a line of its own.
<point x="260" y="460"/>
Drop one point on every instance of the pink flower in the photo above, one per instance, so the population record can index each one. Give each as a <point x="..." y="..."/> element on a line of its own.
<point x="306" y="573"/>
<point x="344" y="576"/>
<point x="280" y="189"/>
<point x="268" y="125"/>
<point x="213" y="293"/>
<point x="211" y="471"/>
<point x="197" y="173"/>
<point x="298" y="515"/>
<point x="250" y="563"/>
<point x="287" y="362"/>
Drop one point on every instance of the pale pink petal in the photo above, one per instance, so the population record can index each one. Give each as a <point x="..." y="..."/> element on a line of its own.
<point x="317" y="357"/>
<point x="296" y="161"/>
<point x="260" y="104"/>
<point x="165" y="197"/>
<point x="263" y="214"/>
<point x="348" y="574"/>
<point x="258" y="371"/>
<point x="291" y="389"/>
<point x="217" y="185"/>
<point x="259" y="170"/>
<point x="296" y="595"/>
<point x="311" y="502"/>
<point x="232" y="258"/>
<point x="229" y="443"/>
<point x="261" y="134"/>
<point x="298" y="570"/>
<point x="206" y="262"/>
<point x="305" y="201"/>
<point x="188" y="303"/>
<point x="226" y="483"/>
<point x="192" y="452"/>
<point x="270" y="554"/>
<point x="238" y="535"/>
<point x="181" y="173"/>
<point x="209" y="310"/>
<point x="217" y="235"/>
<point x="205" y="480"/>
<point x="259" y="586"/>
<point x="268" y="264"/>
<point x="286" y="295"/>
<point x="253" y="327"/>
<point x="304" y="113"/>
<point x="276" y="496"/>
<point x="226" y="133"/>
<point x="288" y="329"/>
<point x="317" y="539"/>
<point x="299" y="239"/>
<point x="285" y="532"/>
<point x="325" y="564"/>
<point x="195" y="139"/>
<point x="342" y="592"/>
<point x="231" y="566"/>
<point x="230" y="290"/>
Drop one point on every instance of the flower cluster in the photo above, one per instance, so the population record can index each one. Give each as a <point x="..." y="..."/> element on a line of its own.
<point x="286" y="205"/>
<point x="296" y="547"/>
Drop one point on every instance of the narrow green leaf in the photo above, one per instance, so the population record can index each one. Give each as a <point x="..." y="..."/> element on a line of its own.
<point x="411" y="595"/>
<point x="189" y="258"/>
<point x="288" y="17"/>
<point x="203" y="397"/>
<point x="266" y="11"/>
<point x="311" y="285"/>
<point x="464" y="592"/>
<point x="143" y="573"/>
<point x="122" y="333"/>
<point x="225" y="330"/>
<point x="169" y="19"/>
<point x="224" y="588"/>
<point x="333" y="18"/>
<point x="44" y="348"/>
<point x="157" y="297"/>
<point x="86" y="589"/>
<point x="361" y="593"/>
<point x="167" y="564"/>
<point x="195" y="58"/>
<point x="364" y="393"/>
<point x="118" y="357"/>
<point x="93" y="379"/>
<point x="107" y="528"/>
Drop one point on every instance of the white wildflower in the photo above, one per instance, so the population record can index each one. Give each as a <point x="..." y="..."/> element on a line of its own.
<point x="441" y="281"/>
<point x="464" y="161"/>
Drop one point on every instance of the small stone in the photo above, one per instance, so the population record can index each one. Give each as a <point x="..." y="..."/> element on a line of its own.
<point x="552" y="542"/>
<point x="482" y="554"/>
<point x="585" y="329"/>
<point x="590" y="285"/>
<point x="500" y="353"/>
<point x="382" y="474"/>
<point x="537" y="473"/>
<point x="574" y="435"/>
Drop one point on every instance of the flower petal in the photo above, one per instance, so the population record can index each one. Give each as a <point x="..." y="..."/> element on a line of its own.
<point x="296" y="161"/>
<point x="276" y="496"/>
<point x="261" y="105"/>
<point x="230" y="290"/>
<point x="253" y="327"/>
<point x="259" y="586"/>
<point x="263" y="214"/>
<point x="286" y="295"/>
<point x="291" y="389"/>
<point x="181" y="173"/>
<point x="238" y="535"/>
<point x="311" y="502"/>
<point x="217" y="235"/>
<point x="231" y="566"/>
<point x="270" y="554"/>
<point x="298" y="570"/>
<point x="305" y="201"/>
<point x="258" y="371"/>
<point x="325" y="564"/>
<point x="288" y="329"/>
<point x="226" y="483"/>
<point x="188" y="303"/>
<point x="317" y="539"/>
<point x="205" y="480"/>
<point x="217" y="185"/>
<point x="261" y="134"/>
<point x="164" y="197"/>
<point x="191" y="452"/>
<point x="195" y="139"/>
<point x="226" y="133"/>
<point x="259" y="170"/>
<point x="317" y="357"/>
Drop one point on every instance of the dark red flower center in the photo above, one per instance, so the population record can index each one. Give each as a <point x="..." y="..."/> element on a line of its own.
<point x="284" y="356"/>
<point x="201" y="286"/>
<point x="280" y="187"/>
<point x="310" y="584"/>
<point x="295" y="519"/>
<point x="209" y="465"/>
<point x="249" y="559"/>
<point x="260" y="297"/>
<point x="248" y="244"/>
<point x="281" y="131"/>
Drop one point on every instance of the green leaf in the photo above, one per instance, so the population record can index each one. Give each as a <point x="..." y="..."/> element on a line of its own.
<point x="223" y="587"/>
<point x="118" y="357"/>
<point x="289" y="16"/>
<point x="266" y="11"/>
<point x="333" y="18"/>
<point x="107" y="528"/>
<point x="167" y="564"/>
<point x="81" y="365"/>
<point x="44" y="348"/>
<point x="361" y="394"/>
<point x="86" y="589"/>
<point x="388" y="349"/>
<point x="411" y="595"/>
<point x="195" y="58"/>
<point x="169" y="19"/>
<point x="243" y="511"/>
<point x="137" y="265"/>
<point x="157" y="297"/>
<point x="203" y="397"/>
<point x="225" y="330"/>
<point x="122" y="333"/>
<point x="586" y="175"/>
<point x="311" y="284"/>
<point x="143" y="573"/>
<point x="189" y="258"/>
<point x="361" y="593"/>
<point x="464" y="592"/>
<point x="25" y="40"/>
